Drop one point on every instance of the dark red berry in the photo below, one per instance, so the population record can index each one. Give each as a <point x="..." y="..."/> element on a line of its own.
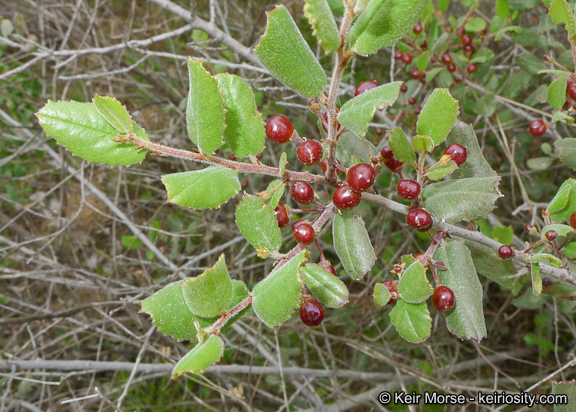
<point x="379" y="131"/>
<point x="423" y="79"/>
<point x="419" y="219"/>
<point x="469" y="49"/>
<point x="446" y="59"/>
<point x="407" y="58"/>
<point x="417" y="29"/>
<point x="303" y="232"/>
<point x="547" y="57"/>
<point x="302" y="193"/>
<point x="466" y="39"/>
<point x="537" y="128"/>
<point x="245" y="184"/>
<point x="365" y="86"/>
<point x="309" y="152"/>
<point x="572" y="92"/>
<point x="451" y="67"/>
<point x="550" y="235"/>
<point x="387" y="153"/>
<point x="570" y="81"/>
<point x="415" y="73"/>
<point x="279" y="129"/>
<point x="391" y="285"/>
<point x="281" y="213"/>
<point x="259" y="156"/>
<point x="528" y="227"/>
<point x="232" y="157"/>
<point x="417" y="110"/>
<point x="408" y="189"/>
<point x="326" y="265"/>
<point x="457" y="153"/>
<point x="573" y="221"/>
<point x="403" y="88"/>
<point x="424" y="45"/>
<point x="411" y="100"/>
<point x="324" y="165"/>
<point x="345" y="198"/>
<point x="398" y="55"/>
<point x="505" y="252"/>
<point x="472" y="67"/>
<point x="443" y="298"/>
<point x="433" y="60"/>
<point x="360" y="177"/>
<point x="394" y="164"/>
<point x="311" y="312"/>
<point x="325" y="116"/>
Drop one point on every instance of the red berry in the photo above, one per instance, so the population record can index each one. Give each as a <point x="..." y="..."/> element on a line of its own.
<point x="326" y="265"/>
<point x="232" y="157"/>
<point x="550" y="235"/>
<point x="451" y="67"/>
<point x="417" y="110"/>
<point x="309" y="152"/>
<point x="387" y="153"/>
<point x="314" y="105"/>
<point x="408" y="189"/>
<point x="311" y="312"/>
<point x="417" y="29"/>
<point x="302" y="193"/>
<point x="537" y="128"/>
<point x="466" y="39"/>
<point x="325" y="116"/>
<point x="279" y="129"/>
<point x="457" y="152"/>
<point x="324" y="165"/>
<point x="415" y="73"/>
<point x="403" y="88"/>
<point x="303" y="232"/>
<point x="398" y="55"/>
<point x="423" y="79"/>
<point x="505" y="252"/>
<point x="360" y="177"/>
<point x="469" y="49"/>
<point x="379" y="131"/>
<point x="411" y="100"/>
<point x="433" y="60"/>
<point x="259" y="156"/>
<point x="394" y="164"/>
<point x="528" y="228"/>
<point x="446" y="59"/>
<point x="407" y="58"/>
<point x="365" y="86"/>
<point x="392" y="287"/>
<point x="570" y="81"/>
<point x="345" y="198"/>
<point x="443" y="298"/>
<point x="419" y="219"/>
<point x="572" y="92"/>
<point x="472" y="68"/>
<point x="281" y="213"/>
<point x="573" y="221"/>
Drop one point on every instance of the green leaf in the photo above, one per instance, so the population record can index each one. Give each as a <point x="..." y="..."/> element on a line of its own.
<point x="564" y="203"/>
<point x="422" y="61"/>
<point x="440" y="44"/>
<point x="327" y="288"/>
<point x="438" y="115"/>
<point x="502" y="8"/>
<point x="383" y="22"/>
<point x="356" y="113"/>
<point x="422" y="143"/>
<point x="350" y="145"/>
<point x="475" y="24"/>
<point x="557" y="93"/>
<point x="401" y="147"/>
<point x="564" y="388"/>
<point x="258" y="224"/>
<point x="6" y="27"/>
<point x="204" y="109"/>
<point x="561" y="230"/>
<point x="530" y="63"/>
<point x="80" y="128"/>
<point x="114" y="113"/>
<point x="432" y="73"/>
<point x="536" y="277"/>
<point x="131" y="242"/>
<point x="412" y="321"/>
<point x="441" y="171"/>
<point x="559" y="73"/>
<point x="352" y="244"/>
<point x="466" y="318"/>
<point x="207" y="188"/>
<point x="414" y="286"/>
<point x="337" y="6"/>
<point x="503" y="234"/>
<point x="282" y="163"/>
<point x="381" y="294"/>
<point x="486" y="105"/>
<point x="200" y="358"/>
<point x="275" y="198"/>
<point x="475" y="164"/>
<point x="539" y="163"/>
<point x="490" y="265"/>
<point x="463" y="199"/>
<point x="284" y="52"/>
<point x="210" y="293"/>
<point x="323" y="24"/>
<point x="557" y="116"/>
<point x="566" y="151"/>
<point x="244" y="131"/>
<point x="277" y="296"/>
<point x="561" y="13"/>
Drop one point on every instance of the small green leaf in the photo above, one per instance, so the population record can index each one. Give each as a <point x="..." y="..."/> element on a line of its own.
<point x="486" y="105"/>
<point x="171" y="314"/>
<point x="412" y="321"/>
<point x="564" y="203"/>
<point x="327" y="288"/>
<point x="566" y="150"/>
<point x="530" y="63"/>
<point x="490" y="265"/>
<point x="282" y="163"/>
<point x="432" y="73"/>
<point x="463" y="199"/>
<point x="440" y="44"/>
<point x="244" y="131"/>
<point x="277" y="296"/>
<point x="210" y="293"/>
<point x="80" y="128"/>
<point x="381" y="294"/>
<point x="441" y="171"/>
<point x="114" y="113"/>
<point x="414" y="286"/>
<point x="466" y="318"/>
<point x="200" y="358"/>
<point x="422" y="143"/>
<point x="258" y="224"/>
<point x="502" y="8"/>
<point x="352" y="244"/>
<point x="356" y="113"/>
<point x="131" y="242"/>
<point x="561" y="13"/>
<point x="337" y="6"/>
<point x="475" y="164"/>
<point x="557" y="116"/>
<point x="383" y="22"/>
<point x="438" y="115"/>
<point x="275" y="197"/>
<point x="401" y="147"/>
<point x="6" y="27"/>
<point x="564" y="388"/>
<point x="204" y="109"/>
<point x="350" y="146"/>
<point x="422" y="61"/>
<point x="503" y="234"/>
<point x="207" y="188"/>
<point x="475" y="24"/>
<point x="323" y="24"/>
<point x="557" y="93"/>
<point x="284" y="52"/>
<point x="536" y="276"/>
